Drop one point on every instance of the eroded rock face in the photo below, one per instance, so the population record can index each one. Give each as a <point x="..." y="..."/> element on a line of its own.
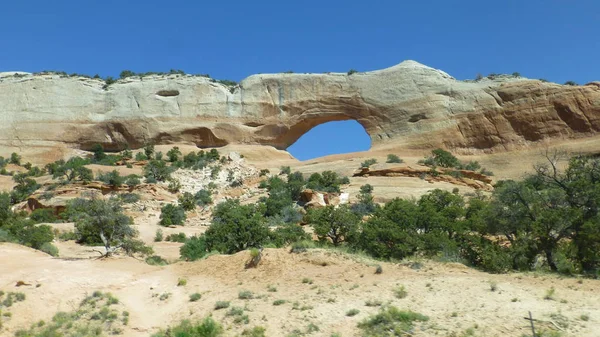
<point x="409" y="104"/>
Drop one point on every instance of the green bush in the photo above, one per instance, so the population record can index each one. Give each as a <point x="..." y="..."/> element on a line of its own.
<point x="187" y="201"/>
<point x="49" y="249"/>
<point x="391" y="321"/>
<point x="156" y="260"/>
<point x="205" y="328"/>
<point x="195" y="297"/>
<point x="129" y="198"/>
<point x="43" y="215"/>
<point x="336" y="224"/>
<point x="172" y="215"/>
<point x="180" y="237"/>
<point x="193" y="249"/>
<point x="157" y="170"/>
<point x="392" y="158"/>
<point x="367" y="163"/>
<point x="221" y="305"/>
<point x="236" y="227"/>
<point x="159" y="236"/>
<point x="203" y="197"/>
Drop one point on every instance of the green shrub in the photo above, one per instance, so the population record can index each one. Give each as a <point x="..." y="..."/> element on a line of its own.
<point x="181" y="282"/>
<point x="129" y="198"/>
<point x="49" y="249"/>
<point x="172" y="215"/>
<point x="352" y="71"/>
<point x="156" y="260"/>
<point x="187" y="201"/>
<point x="338" y="224"/>
<point x="206" y="328"/>
<point x="159" y="236"/>
<point x="392" y="158"/>
<point x="278" y="302"/>
<point x="195" y="297"/>
<point x="391" y="321"/>
<point x="285" y="170"/>
<point x="203" y="197"/>
<point x="245" y="295"/>
<point x="157" y="170"/>
<point x="221" y="305"/>
<point x="193" y="249"/>
<point x="400" y="292"/>
<point x="368" y="162"/>
<point x="179" y="237"/>
<point x="352" y="312"/>
<point x="236" y="227"/>
<point x="257" y="331"/>
<point x="43" y="215"/>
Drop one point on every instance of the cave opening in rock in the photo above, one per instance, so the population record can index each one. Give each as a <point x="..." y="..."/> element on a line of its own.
<point x="331" y="138"/>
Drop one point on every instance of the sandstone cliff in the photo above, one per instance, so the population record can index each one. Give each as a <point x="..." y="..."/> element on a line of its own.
<point x="409" y="104"/>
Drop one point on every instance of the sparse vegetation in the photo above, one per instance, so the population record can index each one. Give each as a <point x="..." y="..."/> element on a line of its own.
<point x="221" y="305"/>
<point x="391" y="321"/>
<point x="195" y="297"/>
<point x="368" y="163"/>
<point x="400" y="292"/>
<point x="352" y="312"/>
<point x="208" y="327"/>
<point x="392" y="158"/>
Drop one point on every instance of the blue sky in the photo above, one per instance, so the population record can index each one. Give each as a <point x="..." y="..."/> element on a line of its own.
<point x="551" y="39"/>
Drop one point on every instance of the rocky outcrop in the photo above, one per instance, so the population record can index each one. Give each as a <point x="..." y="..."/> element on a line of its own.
<point x="410" y="104"/>
<point x="457" y="177"/>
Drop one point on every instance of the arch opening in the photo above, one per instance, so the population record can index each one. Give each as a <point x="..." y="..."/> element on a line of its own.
<point x="337" y="137"/>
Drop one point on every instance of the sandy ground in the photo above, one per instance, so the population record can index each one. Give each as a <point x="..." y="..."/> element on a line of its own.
<point x="453" y="296"/>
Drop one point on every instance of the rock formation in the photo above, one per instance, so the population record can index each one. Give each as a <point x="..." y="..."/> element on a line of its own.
<point x="411" y="105"/>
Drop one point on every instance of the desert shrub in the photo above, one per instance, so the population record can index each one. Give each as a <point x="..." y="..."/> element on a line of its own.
<point x="352" y="71"/>
<point x="285" y="170"/>
<point x="132" y="180"/>
<point x="392" y="158"/>
<point x="365" y="204"/>
<point x="222" y="305"/>
<point x="187" y="201"/>
<point x="352" y="312"/>
<point x="336" y="224"/>
<point x="302" y="246"/>
<point x="156" y="260"/>
<point x="368" y="163"/>
<point x="15" y="159"/>
<point x="572" y="83"/>
<point x="158" y="236"/>
<point x="203" y="197"/>
<point x="129" y="198"/>
<point x="245" y="295"/>
<point x="445" y="159"/>
<point x="43" y="215"/>
<point x="472" y="166"/>
<point x="172" y="215"/>
<point x="391" y="321"/>
<point x="49" y="249"/>
<point x="287" y="234"/>
<point x="174" y="185"/>
<point x="157" y="170"/>
<point x="24" y="188"/>
<point x="195" y="297"/>
<point x="99" y="221"/>
<point x="235" y="227"/>
<point x="193" y="249"/>
<point x="257" y="331"/>
<point x="133" y="246"/>
<point x="179" y="237"/>
<point x="327" y="181"/>
<point x="140" y="156"/>
<point x="264" y="172"/>
<point x="208" y="327"/>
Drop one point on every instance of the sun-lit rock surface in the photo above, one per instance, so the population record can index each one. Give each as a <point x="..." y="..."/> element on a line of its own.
<point x="410" y="104"/>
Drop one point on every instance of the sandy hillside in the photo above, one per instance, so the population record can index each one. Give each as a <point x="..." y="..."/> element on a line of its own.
<point x="319" y="288"/>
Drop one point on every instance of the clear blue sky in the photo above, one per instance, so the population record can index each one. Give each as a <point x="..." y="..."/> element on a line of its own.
<point x="552" y="39"/>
